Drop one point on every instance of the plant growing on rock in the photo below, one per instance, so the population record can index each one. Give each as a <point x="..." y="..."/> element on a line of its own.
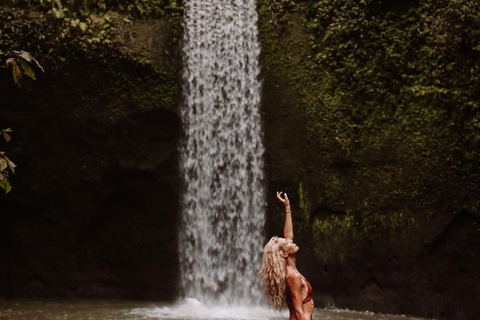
<point x="20" y="62"/>
<point x="6" y="165"/>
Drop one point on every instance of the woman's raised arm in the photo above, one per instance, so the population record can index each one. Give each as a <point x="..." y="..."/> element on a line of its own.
<point x="288" y="228"/>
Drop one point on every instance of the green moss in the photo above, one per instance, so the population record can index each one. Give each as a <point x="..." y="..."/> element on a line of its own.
<point x="390" y="101"/>
<point x="304" y="203"/>
<point x="337" y="238"/>
<point x="340" y="237"/>
<point x="109" y="62"/>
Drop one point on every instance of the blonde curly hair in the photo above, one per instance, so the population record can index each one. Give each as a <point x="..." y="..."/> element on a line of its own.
<point x="273" y="274"/>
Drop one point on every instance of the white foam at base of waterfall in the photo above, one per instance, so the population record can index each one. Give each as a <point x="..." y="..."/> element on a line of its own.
<point x="191" y="308"/>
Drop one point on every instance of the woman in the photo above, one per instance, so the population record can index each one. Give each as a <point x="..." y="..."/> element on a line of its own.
<point x="283" y="283"/>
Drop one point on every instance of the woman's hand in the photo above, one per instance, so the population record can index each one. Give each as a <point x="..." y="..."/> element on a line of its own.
<point x="288" y="227"/>
<point x="284" y="200"/>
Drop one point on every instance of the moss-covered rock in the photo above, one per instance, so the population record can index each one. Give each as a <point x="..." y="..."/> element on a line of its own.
<point x="375" y="137"/>
<point x="94" y="206"/>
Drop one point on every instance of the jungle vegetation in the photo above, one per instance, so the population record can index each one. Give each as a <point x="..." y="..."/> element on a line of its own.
<point x="390" y="94"/>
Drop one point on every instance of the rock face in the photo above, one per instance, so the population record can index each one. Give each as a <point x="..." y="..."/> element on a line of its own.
<point x="94" y="206"/>
<point x="384" y="195"/>
<point x="431" y="270"/>
<point x="81" y="227"/>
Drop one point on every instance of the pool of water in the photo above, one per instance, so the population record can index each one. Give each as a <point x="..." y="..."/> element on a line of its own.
<point x="189" y="309"/>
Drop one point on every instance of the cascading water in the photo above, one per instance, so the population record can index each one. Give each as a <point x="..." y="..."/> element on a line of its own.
<point x="221" y="155"/>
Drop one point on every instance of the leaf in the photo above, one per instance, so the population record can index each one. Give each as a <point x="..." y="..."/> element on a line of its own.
<point x="9" y="61"/>
<point x="59" y="4"/>
<point x="8" y="187"/>
<point x="11" y="165"/>
<point x="24" y="55"/>
<point x="3" y="164"/>
<point x="27" y="69"/>
<point x="4" y="184"/>
<point x="6" y="136"/>
<point x="17" y="73"/>
<point x="27" y="57"/>
<point x="38" y="64"/>
<point x="83" y="26"/>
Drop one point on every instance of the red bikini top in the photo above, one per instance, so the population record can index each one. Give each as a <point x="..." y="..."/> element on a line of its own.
<point x="309" y="291"/>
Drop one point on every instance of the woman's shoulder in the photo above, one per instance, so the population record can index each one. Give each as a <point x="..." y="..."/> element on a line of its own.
<point x="294" y="275"/>
<point x="293" y="281"/>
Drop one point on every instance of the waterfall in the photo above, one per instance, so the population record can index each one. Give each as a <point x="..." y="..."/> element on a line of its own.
<point x="223" y="213"/>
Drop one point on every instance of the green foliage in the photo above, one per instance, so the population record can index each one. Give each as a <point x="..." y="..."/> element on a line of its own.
<point x="59" y="30"/>
<point x="341" y="234"/>
<point x="94" y="54"/>
<point x="61" y="9"/>
<point x="344" y="236"/>
<point x="391" y="97"/>
<point x="304" y="203"/>
<point x="109" y="38"/>
<point x="6" y="165"/>
<point x="21" y="64"/>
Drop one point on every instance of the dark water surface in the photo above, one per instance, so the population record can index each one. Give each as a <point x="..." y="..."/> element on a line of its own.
<point x="189" y="309"/>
